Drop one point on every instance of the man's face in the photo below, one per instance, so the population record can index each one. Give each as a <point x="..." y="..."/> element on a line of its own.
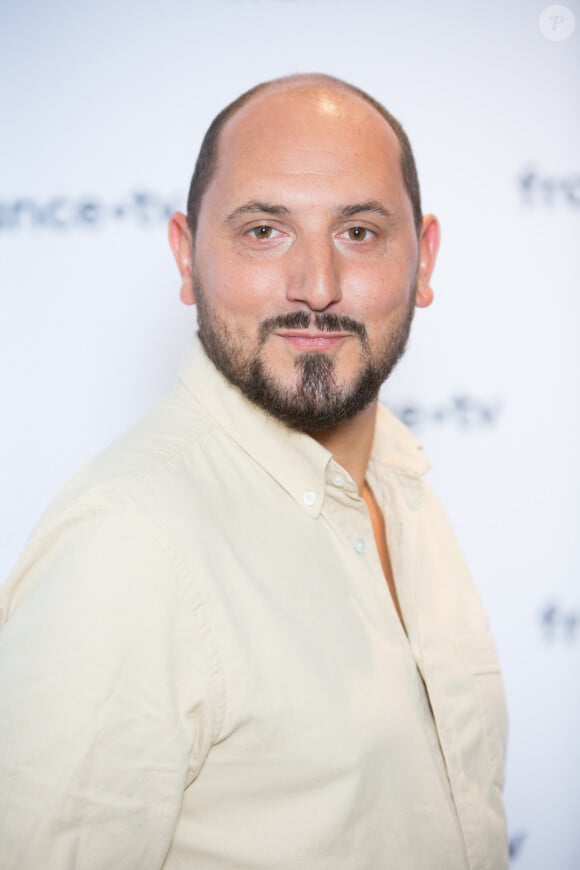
<point x="305" y="269"/>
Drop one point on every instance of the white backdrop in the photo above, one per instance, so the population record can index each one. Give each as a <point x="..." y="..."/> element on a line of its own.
<point x="102" y="111"/>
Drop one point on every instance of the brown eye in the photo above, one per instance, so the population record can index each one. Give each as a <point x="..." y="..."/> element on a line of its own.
<point x="263" y="232"/>
<point x="357" y="234"/>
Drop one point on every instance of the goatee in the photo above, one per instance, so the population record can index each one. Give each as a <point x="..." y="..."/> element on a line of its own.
<point x="318" y="401"/>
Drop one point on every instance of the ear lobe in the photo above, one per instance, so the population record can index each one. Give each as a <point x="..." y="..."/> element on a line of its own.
<point x="428" y="247"/>
<point x="181" y="245"/>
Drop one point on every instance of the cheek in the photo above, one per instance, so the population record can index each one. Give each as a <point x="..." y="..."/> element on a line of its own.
<point x="377" y="290"/>
<point x="239" y="284"/>
<point x="230" y="288"/>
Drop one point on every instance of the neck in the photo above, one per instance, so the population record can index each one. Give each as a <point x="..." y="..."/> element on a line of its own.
<point x="350" y="443"/>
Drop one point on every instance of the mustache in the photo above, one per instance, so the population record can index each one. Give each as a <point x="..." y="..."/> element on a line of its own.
<point x="324" y="321"/>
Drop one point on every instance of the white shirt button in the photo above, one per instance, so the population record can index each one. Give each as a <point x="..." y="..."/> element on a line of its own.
<point x="338" y="479"/>
<point x="309" y="497"/>
<point x="360" y="545"/>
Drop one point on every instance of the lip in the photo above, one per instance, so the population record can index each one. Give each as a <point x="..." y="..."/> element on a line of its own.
<point x="304" y="340"/>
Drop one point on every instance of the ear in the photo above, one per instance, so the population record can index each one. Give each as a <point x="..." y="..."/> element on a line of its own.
<point x="182" y="247"/>
<point x="428" y="247"/>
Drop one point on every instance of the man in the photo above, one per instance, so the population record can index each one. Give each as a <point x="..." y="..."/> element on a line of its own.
<point x="244" y="636"/>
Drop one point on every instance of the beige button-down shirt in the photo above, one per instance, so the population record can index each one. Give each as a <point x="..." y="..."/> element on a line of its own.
<point x="201" y="666"/>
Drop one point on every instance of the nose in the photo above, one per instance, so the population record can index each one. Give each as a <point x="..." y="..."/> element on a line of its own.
<point x="314" y="274"/>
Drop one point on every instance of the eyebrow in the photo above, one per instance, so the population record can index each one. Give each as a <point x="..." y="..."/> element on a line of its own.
<point x="371" y="206"/>
<point x="257" y="207"/>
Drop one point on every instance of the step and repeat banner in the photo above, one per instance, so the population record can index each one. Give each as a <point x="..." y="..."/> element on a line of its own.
<point x="103" y="107"/>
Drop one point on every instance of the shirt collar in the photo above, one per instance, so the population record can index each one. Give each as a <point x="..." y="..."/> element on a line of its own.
<point x="296" y="461"/>
<point x="292" y="458"/>
<point x="394" y="446"/>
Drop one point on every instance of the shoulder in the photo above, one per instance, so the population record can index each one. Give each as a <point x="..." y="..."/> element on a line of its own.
<point x="116" y="511"/>
<point x="171" y="432"/>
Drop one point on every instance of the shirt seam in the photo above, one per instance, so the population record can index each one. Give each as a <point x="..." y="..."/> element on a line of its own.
<point x="116" y="488"/>
<point x="200" y="611"/>
<point x="116" y="501"/>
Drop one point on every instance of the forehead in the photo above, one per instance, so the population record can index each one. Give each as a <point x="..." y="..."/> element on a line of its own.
<point x="305" y="140"/>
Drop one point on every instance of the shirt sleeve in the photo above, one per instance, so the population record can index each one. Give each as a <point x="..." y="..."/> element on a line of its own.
<point x="105" y="696"/>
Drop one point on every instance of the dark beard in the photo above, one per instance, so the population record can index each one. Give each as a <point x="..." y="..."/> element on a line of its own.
<point x="320" y="402"/>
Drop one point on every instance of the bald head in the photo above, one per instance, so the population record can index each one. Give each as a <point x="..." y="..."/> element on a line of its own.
<point x="270" y="100"/>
